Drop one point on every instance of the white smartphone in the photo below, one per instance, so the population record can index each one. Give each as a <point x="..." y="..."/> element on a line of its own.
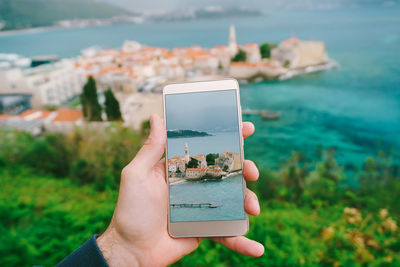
<point x="205" y="159"/>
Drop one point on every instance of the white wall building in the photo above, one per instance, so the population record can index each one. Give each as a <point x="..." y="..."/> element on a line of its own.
<point x="194" y="173"/>
<point x="172" y="166"/>
<point x="253" y="54"/>
<point x="12" y="81"/>
<point x="51" y="84"/>
<point x="295" y="53"/>
<point x="131" y="46"/>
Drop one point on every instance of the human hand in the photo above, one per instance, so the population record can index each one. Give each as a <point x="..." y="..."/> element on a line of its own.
<point x="137" y="234"/>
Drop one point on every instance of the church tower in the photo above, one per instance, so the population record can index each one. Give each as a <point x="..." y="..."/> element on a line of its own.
<point x="232" y="41"/>
<point x="186" y="153"/>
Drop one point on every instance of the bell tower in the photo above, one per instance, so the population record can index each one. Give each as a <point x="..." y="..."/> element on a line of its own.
<point x="232" y="41"/>
<point x="186" y="153"/>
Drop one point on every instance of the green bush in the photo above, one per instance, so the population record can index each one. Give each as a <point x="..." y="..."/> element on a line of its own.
<point x="87" y="155"/>
<point x="265" y="49"/>
<point x="43" y="219"/>
<point x="56" y="190"/>
<point x="240" y="56"/>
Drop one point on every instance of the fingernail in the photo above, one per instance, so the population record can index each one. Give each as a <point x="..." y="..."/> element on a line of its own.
<point x="261" y="249"/>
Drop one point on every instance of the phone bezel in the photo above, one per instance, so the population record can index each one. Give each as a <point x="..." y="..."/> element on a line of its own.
<point x="207" y="228"/>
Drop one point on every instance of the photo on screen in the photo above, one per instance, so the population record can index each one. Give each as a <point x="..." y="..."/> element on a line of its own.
<point x="204" y="159"/>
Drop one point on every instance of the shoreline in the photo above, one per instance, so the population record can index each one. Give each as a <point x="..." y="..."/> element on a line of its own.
<point x="287" y="73"/>
<point x="292" y="73"/>
<point x="177" y="180"/>
<point x="28" y="30"/>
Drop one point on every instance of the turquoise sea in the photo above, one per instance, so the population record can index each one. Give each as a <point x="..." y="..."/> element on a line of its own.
<point x="355" y="108"/>
<point x="228" y="193"/>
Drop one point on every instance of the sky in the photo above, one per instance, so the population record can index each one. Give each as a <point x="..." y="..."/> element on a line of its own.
<point x="263" y="5"/>
<point x="203" y="111"/>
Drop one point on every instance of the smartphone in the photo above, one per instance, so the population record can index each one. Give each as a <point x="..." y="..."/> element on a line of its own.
<point x="204" y="159"/>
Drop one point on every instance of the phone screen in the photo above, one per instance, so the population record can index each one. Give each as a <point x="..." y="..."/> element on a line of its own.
<point x="204" y="156"/>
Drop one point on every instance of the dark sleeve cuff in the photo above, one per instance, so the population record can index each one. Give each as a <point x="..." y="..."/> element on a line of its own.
<point x="87" y="255"/>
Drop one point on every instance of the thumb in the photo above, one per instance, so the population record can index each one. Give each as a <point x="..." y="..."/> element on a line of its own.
<point x="153" y="148"/>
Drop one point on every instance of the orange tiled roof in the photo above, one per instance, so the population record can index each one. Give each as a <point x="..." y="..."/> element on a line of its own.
<point x="220" y="47"/>
<point x="169" y="55"/>
<point x="68" y="115"/>
<point x="196" y="169"/>
<point x="43" y="113"/>
<point x="178" y="157"/>
<point x="244" y="64"/>
<point x="291" y="40"/>
<point x="27" y="113"/>
<point x="6" y="116"/>
<point x="251" y="45"/>
<point x="268" y="66"/>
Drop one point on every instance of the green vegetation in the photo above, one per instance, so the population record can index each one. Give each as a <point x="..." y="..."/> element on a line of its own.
<point x="85" y="155"/>
<point x="193" y="163"/>
<point x="40" y="216"/>
<point x="210" y="158"/>
<point x="56" y="190"/>
<point x="90" y="103"/>
<point x="186" y="133"/>
<point x="265" y="49"/>
<point x="240" y="56"/>
<point x="75" y="103"/>
<point x="112" y="106"/>
<point x="50" y="107"/>
<point x="19" y="14"/>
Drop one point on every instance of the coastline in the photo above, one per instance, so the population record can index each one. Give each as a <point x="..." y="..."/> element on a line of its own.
<point x="291" y="73"/>
<point x="176" y="180"/>
<point x="28" y="30"/>
<point x="286" y="73"/>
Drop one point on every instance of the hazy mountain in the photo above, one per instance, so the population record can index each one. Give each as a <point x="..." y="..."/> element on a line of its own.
<point x="18" y="14"/>
<point x="200" y="13"/>
<point x="262" y="5"/>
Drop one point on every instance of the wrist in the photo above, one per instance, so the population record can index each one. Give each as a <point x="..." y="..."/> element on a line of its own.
<point x="115" y="250"/>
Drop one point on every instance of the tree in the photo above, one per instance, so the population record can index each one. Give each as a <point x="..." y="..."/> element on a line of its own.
<point x="210" y="158"/>
<point x="240" y="56"/>
<point x="193" y="163"/>
<point x="265" y="49"/>
<point x="90" y="104"/>
<point x="286" y="64"/>
<point x="112" y="106"/>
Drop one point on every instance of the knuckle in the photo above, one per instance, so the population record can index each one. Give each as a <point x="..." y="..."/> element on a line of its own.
<point x="125" y="171"/>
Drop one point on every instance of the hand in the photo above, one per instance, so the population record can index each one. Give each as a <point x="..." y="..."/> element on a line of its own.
<point x="137" y="234"/>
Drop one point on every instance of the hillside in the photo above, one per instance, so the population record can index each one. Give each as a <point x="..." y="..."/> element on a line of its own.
<point x="19" y="14"/>
<point x="57" y="190"/>
<point x="186" y="133"/>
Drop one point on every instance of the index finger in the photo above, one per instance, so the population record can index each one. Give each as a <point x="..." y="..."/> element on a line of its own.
<point x="247" y="129"/>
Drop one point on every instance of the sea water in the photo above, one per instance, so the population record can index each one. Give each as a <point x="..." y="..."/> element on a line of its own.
<point x="216" y="143"/>
<point x="227" y="192"/>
